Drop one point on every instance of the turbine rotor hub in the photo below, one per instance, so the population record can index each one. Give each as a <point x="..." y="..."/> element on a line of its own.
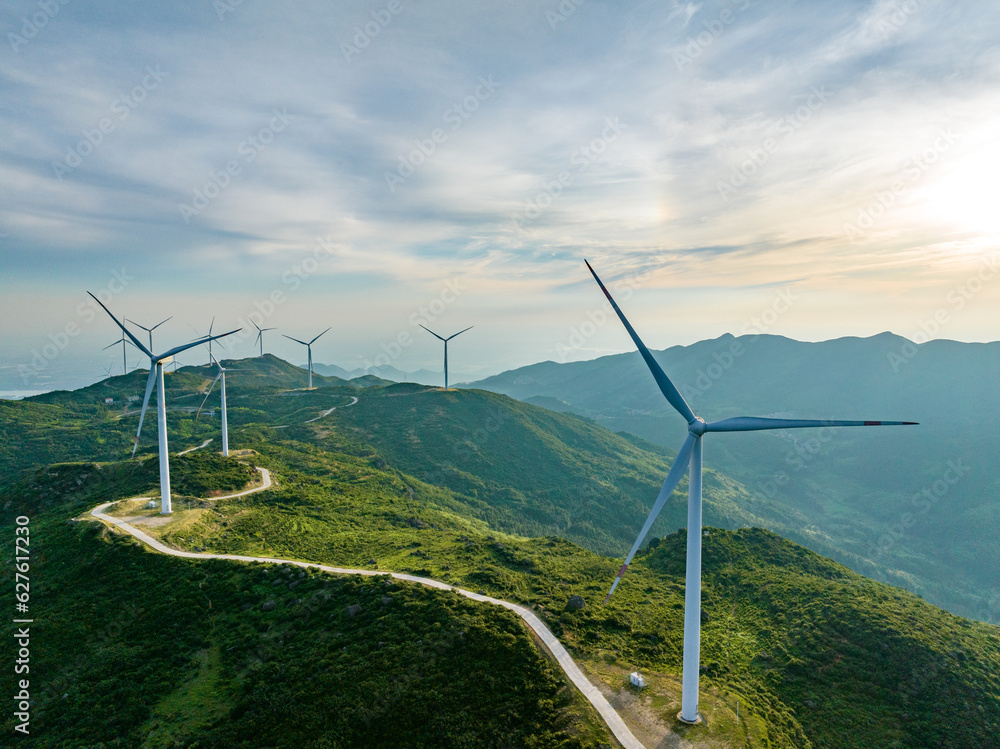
<point x="697" y="427"/>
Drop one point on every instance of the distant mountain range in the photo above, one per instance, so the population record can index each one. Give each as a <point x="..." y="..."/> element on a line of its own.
<point x="385" y="372"/>
<point x="916" y="506"/>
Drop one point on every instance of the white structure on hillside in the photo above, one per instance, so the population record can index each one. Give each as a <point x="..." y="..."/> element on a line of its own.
<point x="635" y="678"/>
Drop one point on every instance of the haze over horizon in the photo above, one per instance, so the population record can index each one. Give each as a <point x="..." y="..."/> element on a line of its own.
<point x="826" y="169"/>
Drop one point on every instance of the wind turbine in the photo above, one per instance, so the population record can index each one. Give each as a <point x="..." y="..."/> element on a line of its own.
<point x="148" y="330"/>
<point x="308" y="347"/>
<point x="156" y="362"/>
<point x="123" y="341"/>
<point x="445" y="348"/>
<point x="260" y="336"/>
<point x="200" y="336"/>
<point x="691" y="455"/>
<point x="225" y="427"/>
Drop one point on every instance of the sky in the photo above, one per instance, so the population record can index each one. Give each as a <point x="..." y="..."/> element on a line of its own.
<point x="809" y="169"/>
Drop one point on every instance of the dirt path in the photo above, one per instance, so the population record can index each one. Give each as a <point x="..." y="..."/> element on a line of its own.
<point x="562" y="657"/>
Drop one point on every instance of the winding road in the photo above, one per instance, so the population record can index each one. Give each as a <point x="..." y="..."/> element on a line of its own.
<point x="562" y="657"/>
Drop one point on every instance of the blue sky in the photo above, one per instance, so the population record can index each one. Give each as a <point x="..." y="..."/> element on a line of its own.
<point x="373" y="165"/>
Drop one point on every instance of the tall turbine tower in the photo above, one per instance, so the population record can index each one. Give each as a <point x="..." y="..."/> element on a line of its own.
<point x="148" y="330"/>
<point x="225" y="424"/>
<point x="260" y="336"/>
<point x="446" y="348"/>
<point x="156" y="363"/>
<point x="691" y="453"/>
<point x="308" y="348"/>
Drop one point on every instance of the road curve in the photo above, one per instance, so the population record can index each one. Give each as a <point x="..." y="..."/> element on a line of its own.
<point x="192" y="449"/>
<point x="563" y="658"/>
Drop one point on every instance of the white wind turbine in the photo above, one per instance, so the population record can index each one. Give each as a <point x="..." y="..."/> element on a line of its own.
<point x="122" y="341"/>
<point x="156" y="364"/>
<point x="225" y="423"/>
<point x="200" y="336"/>
<point x="445" y="348"/>
<point x="309" y="348"/>
<point x="690" y="455"/>
<point x="260" y="336"/>
<point x="148" y="330"/>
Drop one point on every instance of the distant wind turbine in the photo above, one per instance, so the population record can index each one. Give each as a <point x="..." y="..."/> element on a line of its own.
<point x="260" y="336"/>
<point x="445" y="348"/>
<point x="148" y="330"/>
<point x="200" y="336"/>
<point x="156" y="363"/>
<point x="122" y="341"/>
<point x="690" y="455"/>
<point x="225" y="425"/>
<point x="309" y="349"/>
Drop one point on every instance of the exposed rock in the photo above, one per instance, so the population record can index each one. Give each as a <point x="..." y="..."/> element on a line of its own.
<point x="416" y="522"/>
<point x="268" y="605"/>
<point x="354" y="609"/>
<point x="576" y="602"/>
<point x="705" y="616"/>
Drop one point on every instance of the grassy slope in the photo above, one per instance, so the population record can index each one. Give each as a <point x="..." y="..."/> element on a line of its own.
<point x="777" y="629"/>
<point x="132" y="648"/>
<point x="848" y="491"/>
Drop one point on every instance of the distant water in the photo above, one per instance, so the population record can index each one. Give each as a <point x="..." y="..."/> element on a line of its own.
<point x="16" y="395"/>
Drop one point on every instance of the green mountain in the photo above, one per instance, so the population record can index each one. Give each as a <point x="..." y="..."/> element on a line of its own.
<point x="915" y="507"/>
<point x="475" y="489"/>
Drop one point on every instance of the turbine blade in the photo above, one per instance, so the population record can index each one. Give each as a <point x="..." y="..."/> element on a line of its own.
<point x="431" y="332"/>
<point x="295" y="339"/>
<point x="317" y="337"/>
<point x="110" y="345"/>
<point x="255" y="325"/>
<point x="150" y="381"/>
<point x="159" y="324"/>
<point x="677" y="471"/>
<point x="458" y="333"/>
<point x="208" y="394"/>
<point x="127" y="332"/>
<point x="670" y="392"/>
<point x="757" y="424"/>
<point x="132" y="321"/>
<point x="192" y="344"/>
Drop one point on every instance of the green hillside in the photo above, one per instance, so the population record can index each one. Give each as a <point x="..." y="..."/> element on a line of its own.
<point x="477" y="490"/>
<point x="853" y="494"/>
